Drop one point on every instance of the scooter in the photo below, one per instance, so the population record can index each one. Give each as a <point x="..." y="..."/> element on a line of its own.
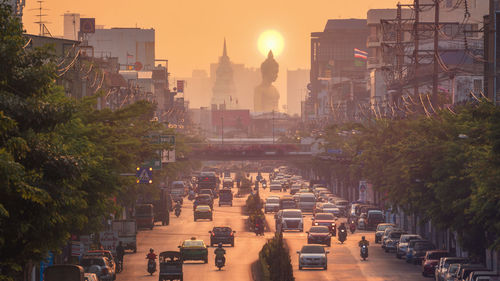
<point x="151" y="266"/>
<point x="219" y="262"/>
<point x="342" y="236"/>
<point x="364" y="252"/>
<point x="177" y="212"/>
<point x="352" y="227"/>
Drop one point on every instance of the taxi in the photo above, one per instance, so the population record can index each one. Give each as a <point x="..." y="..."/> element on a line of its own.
<point x="202" y="212"/>
<point x="194" y="249"/>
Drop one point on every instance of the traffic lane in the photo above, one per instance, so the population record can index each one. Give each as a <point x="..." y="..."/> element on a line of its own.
<point x="163" y="238"/>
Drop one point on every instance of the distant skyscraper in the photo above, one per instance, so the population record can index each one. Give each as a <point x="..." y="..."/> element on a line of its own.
<point x="198" y="89"/>
<point x="224" y="91"/>
<point x="296" y="89"/>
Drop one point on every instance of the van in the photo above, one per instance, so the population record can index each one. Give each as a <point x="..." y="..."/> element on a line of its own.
<point x="144" y="216"/>
<point x="289" y="219"/>
<point x="307" y="201"/>
<point x="373" y="218"/>
<point x="178" y="190"/>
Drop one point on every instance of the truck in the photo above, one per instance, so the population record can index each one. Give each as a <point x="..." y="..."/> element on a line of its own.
<point x="178" y="191"/>
<point x="144" y="215"/>
<point x="208" y="180"/>
<point x="127" y="233"/>
<point x="163" y="207"/>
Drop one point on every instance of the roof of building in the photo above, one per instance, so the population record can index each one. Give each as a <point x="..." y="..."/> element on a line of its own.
<point x="345" y="24"/>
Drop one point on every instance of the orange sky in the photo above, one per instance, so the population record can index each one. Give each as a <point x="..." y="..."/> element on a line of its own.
<point x="189" y="33"/>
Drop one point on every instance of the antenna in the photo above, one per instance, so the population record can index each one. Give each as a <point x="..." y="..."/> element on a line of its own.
<point x="41" y="23"/>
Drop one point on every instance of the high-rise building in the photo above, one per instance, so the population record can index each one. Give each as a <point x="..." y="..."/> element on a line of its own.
<point x="296" y="89"/>
<point x="134" y="47"/>
<point x="198" y="89"/>
<point x="71" y="26"/>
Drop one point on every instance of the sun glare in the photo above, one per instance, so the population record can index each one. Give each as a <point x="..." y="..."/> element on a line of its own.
<point x="271" y="40"/>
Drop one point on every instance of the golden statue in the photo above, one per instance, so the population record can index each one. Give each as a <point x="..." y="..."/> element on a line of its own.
<point x="266" y="96"/>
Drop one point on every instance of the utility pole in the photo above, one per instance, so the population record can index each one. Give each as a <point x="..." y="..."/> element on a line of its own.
<point x="416" y="44"/>
<point x="222" y="125"/>
<point x="435" y="75"/>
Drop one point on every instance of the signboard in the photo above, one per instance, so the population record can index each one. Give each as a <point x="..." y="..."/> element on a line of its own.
<point x="46" y="263"/>
<point x="363" y="187"/>
<point x="109" y="240"/>
<point x="180" y="86"/>
<point x="87" y="25"/>
<point x="168" y="156"/>
<point x="334" y="151"/>
<point x="77" y="248"/>
<point x="144" y="175"/>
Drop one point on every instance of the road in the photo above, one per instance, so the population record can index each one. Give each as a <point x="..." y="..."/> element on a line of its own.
<point x="163" y="238"/>
<point x="343" y="261"/>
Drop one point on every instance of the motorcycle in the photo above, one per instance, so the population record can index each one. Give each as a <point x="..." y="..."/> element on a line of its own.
<point x="219" y="262"/>
<point x="177" y="212"/>
<point x="259" y="229"/>
<point x="151" y="266"/>
<point x="352" y="227"/>
<point x="342" y="236"/>
<point x="364" y="252"/>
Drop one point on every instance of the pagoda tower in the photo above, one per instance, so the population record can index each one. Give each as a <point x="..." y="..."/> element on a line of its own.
<point x="224" y="91"/>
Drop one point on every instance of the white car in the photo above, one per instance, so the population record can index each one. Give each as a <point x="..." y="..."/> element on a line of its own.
<point x="290" y="219"/>
<point x="275" y="186"/>
<point x="313" y="256"/>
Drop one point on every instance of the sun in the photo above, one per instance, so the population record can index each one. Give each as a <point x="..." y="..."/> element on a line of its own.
<point x="271" y="40"/>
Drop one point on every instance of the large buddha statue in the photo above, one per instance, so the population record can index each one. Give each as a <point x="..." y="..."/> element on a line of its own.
<point x="266" y="96"/>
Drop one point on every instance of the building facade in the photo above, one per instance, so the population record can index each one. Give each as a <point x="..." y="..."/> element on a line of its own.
<point x="296" y="89"/>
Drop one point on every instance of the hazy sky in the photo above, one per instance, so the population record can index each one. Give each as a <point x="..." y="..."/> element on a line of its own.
<point x="190" y="33"/>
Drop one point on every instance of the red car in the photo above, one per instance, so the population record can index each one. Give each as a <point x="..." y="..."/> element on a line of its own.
<point x="326" y="219"/>
<point x="431" y="260"/>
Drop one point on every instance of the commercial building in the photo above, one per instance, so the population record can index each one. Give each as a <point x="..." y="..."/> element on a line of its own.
<point x="296" y="89"/>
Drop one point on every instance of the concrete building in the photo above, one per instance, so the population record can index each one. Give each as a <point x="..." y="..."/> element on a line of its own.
<point x="71" y="26"/>
<point x="198" y="88"/>
<point x="134" y="47"/>
<point x="296" y="89"/>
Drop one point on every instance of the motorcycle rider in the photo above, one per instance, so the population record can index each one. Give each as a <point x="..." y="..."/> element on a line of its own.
<point x="259" y="225"/>
<point x="363" y="242"/>
<point x="342" y="226"/>
<point x="120" y="252"/>
<point x="177" y="206"/>
<point x="219" y="253"/>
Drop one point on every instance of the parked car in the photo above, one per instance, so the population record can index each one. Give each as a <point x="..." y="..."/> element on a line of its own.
<point x="104" y="253"/>
<point x="451" y="272"/>
<point x="313" y="256"/>
<point x="403" y="244"/>
<point x="224" y="235"/>
<point x="381" y="227"/>
<point x="203" y="212"/>
<point x="391" y="243"/>
<point x="326" y="219"/>
<point x="98" y="265"/>
<point x="319" y="235"/>
<point x="431" y="260"/>
<point x="483" y="276"/>
<point x="194" y="249"/>
<point x="67" y="272"/>
<point x="290" y="219"/>
<point x="465" y="269"/>
<point x="416" y="250"/>
<point x="444" y="264"/>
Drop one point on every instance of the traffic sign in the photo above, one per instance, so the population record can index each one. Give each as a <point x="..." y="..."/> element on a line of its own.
<point x="144" y="175"/>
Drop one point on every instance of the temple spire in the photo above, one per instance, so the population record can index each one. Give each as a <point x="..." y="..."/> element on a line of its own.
<point x="224" y="53"/>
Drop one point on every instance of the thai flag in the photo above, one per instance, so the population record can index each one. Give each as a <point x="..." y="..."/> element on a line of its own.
<point x="360" y="54"/>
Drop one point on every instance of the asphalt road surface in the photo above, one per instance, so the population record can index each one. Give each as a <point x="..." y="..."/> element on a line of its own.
<point x="344" y="262"/>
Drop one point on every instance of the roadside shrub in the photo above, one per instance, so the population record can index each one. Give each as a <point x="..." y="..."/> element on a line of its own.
<point x="274" y="260"/>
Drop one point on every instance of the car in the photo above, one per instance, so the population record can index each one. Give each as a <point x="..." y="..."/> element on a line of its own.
<point x="385" y="235"/>
<point x="403" y="244"/>
<point x="295" y="188"/>
<point x="98" y="265"/>
<point x="484" y="275"/>
<point x="208" y="192"/>
<point x="391" y="243"/>
<point x="287" y="202"/>
<point x="313" y="256"/>
<point x="328" y="208"/>
<point x="103" y="253"/>
<point x="444" y="264"/>
<point x="431" y="260"/>
<point x="307" y="201"/>
<point x="416" y="249"/>
<point x="203" y="212"/>
<point x="373" y="218"/>
<point x="90" y="277"/>
<point x="290" y="219"/>
<point x="326" y="219"/>
<point x="381" y="227"/>
<point x="203" y="199"/>
<point x="225" y="197"/>
<point x="451" y="272"/>
<point x="275" y="186"/>
<point x="465" y="269"/>
<point x="319" y="235"/>
<point x="272" y="204"/>
<point x="342" y="205"/>
<point x="222" y="234"/>
<point x="194" y="249"/>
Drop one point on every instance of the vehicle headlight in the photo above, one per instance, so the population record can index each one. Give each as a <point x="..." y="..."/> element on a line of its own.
<point x="315" y="223"/>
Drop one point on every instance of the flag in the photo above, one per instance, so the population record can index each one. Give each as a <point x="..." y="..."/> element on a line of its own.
<point x="360" y="54"/>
